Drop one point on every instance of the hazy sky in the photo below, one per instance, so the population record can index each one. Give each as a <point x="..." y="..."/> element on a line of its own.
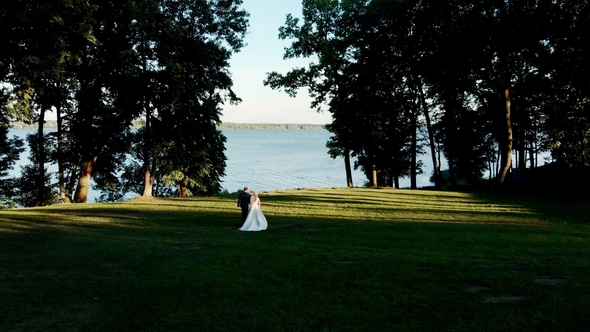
<point x="262" y="54"/>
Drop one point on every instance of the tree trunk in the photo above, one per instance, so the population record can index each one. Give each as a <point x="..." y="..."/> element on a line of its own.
<point x="522" y="151"/>
<point x="532" y="154"/>
<point x="524" y="135"/>
<point x="71" y="182"/>
<point x="435" y="164"/>
<point x="149" y="176"/>
<point x="498" y="157"/>
<point x="81" y="195"/>
<point x="413" y="152"/>
<point x="348" y="168"/>
<point x="507" y="146"/>
<point x="148" y="180"/>
<point x="374" y="176"/>
<point x="60" y="168"/>
<point x="452" y="176"/>
<point x="41" y="159"/>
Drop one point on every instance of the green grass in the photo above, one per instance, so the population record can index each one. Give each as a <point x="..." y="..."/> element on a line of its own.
<point x="331" y="260"/>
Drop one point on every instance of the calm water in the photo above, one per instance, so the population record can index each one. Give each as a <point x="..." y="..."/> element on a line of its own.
<point x="267" y="160"/>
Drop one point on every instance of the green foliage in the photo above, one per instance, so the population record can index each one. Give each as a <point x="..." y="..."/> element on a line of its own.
<point x="370" y="62"/>
<point x="567" y="122"/>
<point x="103" y="65"/>
<point x="27" y="188"/>
<point x="185" y="78"/>
<point x="34" y="188"/>
<point x="10" y="151"/>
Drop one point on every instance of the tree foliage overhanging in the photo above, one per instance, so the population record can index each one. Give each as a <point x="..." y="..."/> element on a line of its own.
<point x="102" y="65"/>
<point x="489" y="84"/>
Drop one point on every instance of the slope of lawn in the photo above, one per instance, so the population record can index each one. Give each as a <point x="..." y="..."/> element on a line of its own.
<point x="331" y="260"/>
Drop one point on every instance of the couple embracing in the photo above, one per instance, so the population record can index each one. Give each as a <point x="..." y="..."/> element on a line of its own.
<point x="252" y="217"/>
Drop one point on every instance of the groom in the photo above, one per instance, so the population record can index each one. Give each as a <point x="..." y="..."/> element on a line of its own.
<point x="243" y="202"/>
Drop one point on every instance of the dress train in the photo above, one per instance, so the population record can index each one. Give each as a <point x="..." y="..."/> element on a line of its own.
<point x="255" y="220"/>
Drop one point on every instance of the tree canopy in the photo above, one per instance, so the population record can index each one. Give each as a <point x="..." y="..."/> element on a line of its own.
<point x="489" y="85"/>
<point x="100" y="66"/>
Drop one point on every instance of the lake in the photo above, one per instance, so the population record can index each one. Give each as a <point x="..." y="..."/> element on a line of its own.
<point x="268" y="160"/>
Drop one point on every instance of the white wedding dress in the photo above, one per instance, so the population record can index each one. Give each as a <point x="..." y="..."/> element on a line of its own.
<point x="255" y="220"/>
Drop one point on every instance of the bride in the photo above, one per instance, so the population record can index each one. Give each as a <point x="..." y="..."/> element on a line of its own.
<point x="255" y="220"/>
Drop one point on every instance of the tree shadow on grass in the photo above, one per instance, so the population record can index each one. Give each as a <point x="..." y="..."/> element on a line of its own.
<point x="345" y="205"/>
<point x="545" y="206"/>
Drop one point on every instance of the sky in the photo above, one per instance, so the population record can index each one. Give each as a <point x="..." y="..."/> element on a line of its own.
<point x="262" y="54"/>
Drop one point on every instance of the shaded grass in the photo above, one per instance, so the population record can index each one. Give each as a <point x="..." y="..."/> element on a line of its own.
<point x="331" y="260"/>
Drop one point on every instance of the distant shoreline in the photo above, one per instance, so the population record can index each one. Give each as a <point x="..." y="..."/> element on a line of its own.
<point x="270" y="126"/>
<point x="51" y="124"/>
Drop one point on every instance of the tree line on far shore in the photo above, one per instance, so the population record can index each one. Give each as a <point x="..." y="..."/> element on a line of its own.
<point x="50" y="124"/>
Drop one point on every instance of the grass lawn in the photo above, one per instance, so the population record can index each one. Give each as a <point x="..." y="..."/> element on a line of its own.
<point x="331" y="260"/>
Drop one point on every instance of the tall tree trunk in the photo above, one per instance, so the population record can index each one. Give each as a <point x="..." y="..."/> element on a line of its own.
<point x="348" y="168"/>
<point x="522" y="150"/>
<point x="374" y="176"/>
<point x="532" y="154"/>
<point x="60" y="167"/>
<point x="81" y="195"/>
<point x="507" y="145"/>
<point x="435" y="164"/>
<point x="41" y="158"/>
<point x="452" y="176"/>
<point x="413" y="152"/>
<point x="71" y="182"/>
<point x="149" y="176"/>
<point x="498" y="157"/>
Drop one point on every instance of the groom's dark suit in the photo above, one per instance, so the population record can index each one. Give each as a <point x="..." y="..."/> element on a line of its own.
<point x="244" y="202"/>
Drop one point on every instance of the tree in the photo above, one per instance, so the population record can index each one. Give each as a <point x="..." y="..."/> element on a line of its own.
<point x="192" y="79"/>
<point x="103" y="64"/>
<point x="37" y="70"/>
<point x="107" y="101"/>
<point x="322" y="35"/>
<point x="567" y="123"/>
<point x="10" y="151"/>
<point x="181" y="52"/>
<point x="28" y="191"/>
<point x="488" y="58"/>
